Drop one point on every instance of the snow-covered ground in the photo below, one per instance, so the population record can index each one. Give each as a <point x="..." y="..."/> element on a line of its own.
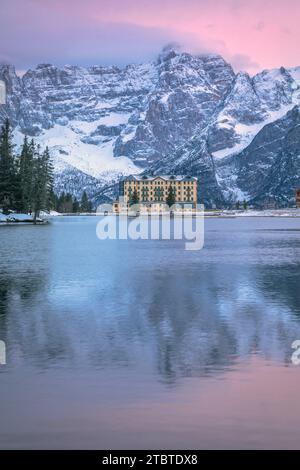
<point x="254" y="213"/>
<point x="17" y="218"/>
<point x="49" y="214"/>
<point x="265" y="213"/>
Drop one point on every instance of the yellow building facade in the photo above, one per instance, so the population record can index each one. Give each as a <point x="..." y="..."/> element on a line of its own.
<point x="154" y="190"/>
<point x="298" y="198"/>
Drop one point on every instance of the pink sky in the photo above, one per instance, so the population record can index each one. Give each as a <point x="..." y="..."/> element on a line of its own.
<point x="252" y="35"/>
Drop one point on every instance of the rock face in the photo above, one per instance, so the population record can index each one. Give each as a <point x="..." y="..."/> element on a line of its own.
<point x="178" y="114"/>
<point x="187" y="92"/>
<point x="269" y="168"/>
<point x="249" y="149"/>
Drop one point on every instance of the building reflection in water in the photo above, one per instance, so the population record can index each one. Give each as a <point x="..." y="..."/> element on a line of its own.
<point x="154" y="308"/>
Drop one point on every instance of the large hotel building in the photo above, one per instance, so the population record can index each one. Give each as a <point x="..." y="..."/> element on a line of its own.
<point x="153" y="191"/>
<point x="298" y="198"/>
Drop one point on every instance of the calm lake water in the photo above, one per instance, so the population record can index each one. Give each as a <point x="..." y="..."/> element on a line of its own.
<point x="141" y="344"/>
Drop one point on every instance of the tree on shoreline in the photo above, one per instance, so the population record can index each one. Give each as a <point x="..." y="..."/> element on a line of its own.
<point x="26" y="182"/>
<point x="8" y="170"/>
<point x="26" y="176"/>
<point x="66" y="204"/>
<point x="86" y="205"/>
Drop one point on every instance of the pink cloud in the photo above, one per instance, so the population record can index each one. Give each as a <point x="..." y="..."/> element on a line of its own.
<point x="252" y="34"/>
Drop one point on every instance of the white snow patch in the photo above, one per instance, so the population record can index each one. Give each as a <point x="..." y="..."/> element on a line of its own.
<point x="49" y="214"/>
<point x="114" y="119"/>
<point x="87" y="127"/>
<point x="165" y="98"/>
<point x="84" y="127"/>
<point x="247" y="133"/>
<point x="269" y="213"/>
<point x="107" y="104"/>
<point x="129" y="136"/>
<point x="88" y="158"/>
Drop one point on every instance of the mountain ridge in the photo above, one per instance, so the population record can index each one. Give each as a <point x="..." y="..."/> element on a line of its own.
<point x="180" y="113"/>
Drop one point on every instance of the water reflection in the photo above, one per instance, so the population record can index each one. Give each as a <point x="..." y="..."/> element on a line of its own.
<point x="68" y="300"/>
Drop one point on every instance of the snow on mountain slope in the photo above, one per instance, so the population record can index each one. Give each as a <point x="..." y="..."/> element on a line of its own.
<point x="187" y="92"/>
<point x="93" y="160"/>
<point x="182" y="112"/>
<point x="269" y="168"/>
<point x="252" y="104"/>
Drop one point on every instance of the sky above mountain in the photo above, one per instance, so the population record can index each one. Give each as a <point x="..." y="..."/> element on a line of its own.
<point x="252" y="35"/>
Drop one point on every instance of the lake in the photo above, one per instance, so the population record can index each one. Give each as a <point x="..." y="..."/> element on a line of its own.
<point x="141" y="344"/>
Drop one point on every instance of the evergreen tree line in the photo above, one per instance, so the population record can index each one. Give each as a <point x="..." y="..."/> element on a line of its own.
<point x="65" y="203"/>
<point x="26" y="180"/>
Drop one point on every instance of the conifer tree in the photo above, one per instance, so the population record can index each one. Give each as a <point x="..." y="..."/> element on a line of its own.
<point x="26" y="183"/>
<point x="53" y="200"/>
<point x="134" y="198"/>
<point x="170" y="196"/>
<point x="8" y="180"/>
<point x="76" y="206"/>
<point x="26" y="175"/>
<point x="42" y="181"/>
<point x="86" y="205"/>
<point x="38" y="197"/>
<point x="49" y="178"/>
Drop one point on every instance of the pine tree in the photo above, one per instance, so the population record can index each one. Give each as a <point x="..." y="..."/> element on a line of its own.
<point x="76" y="207"/>
<point x="26" y="183"/>
<point x="42" y="181"/>
<point x="49" y="178"/>
<point x="68" y="204"/>
<point x="170" y="197"/>
<point x="134" y="198"/>
<point x="8" y="181"/>
<point x="53" y="200"/>
<point x="85" y="203"/>
<point x="60" y="202"/>
<point x="38" y="196"/>
<point x="26" y="175"/>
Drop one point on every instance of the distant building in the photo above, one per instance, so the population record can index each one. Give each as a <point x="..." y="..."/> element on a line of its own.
<point x="297" y="195"/>
<point x="269" y="204"/>
<point x="153" y="191"/>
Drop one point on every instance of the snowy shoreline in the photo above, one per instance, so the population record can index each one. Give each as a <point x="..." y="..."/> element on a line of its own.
<point x="20" y="219"/>
<point x="25" y="219"/>
<point x="288" y="213"/>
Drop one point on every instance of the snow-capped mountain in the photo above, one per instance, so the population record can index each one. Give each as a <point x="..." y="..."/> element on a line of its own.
<point x="179" y="114"/>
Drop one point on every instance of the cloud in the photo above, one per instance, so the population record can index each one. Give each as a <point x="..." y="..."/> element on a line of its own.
<point x="244" y="62"/>
<point x="124" y="31"/>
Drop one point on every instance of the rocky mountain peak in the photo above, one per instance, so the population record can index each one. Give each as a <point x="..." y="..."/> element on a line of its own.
<point x="182" y="112"/>
<point x="168" y="52"/>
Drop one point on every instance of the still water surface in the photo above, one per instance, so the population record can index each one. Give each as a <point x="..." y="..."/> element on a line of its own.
<point x="140" y="344"/>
